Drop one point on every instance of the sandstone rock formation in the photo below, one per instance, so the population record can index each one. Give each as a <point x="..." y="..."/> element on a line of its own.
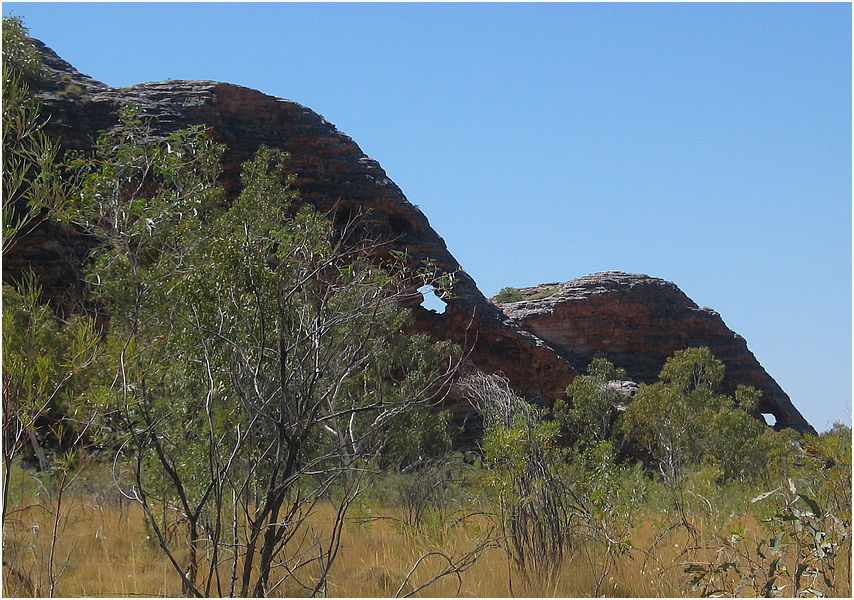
<point x="331" y="172"/>
<point x="636" y="322"/>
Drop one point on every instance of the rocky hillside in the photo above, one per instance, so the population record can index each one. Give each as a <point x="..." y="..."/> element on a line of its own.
<point x="331" y="172"/>
<point x="636" y="322"/>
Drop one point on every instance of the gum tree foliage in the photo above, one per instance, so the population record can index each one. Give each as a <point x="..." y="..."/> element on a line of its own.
<point x="32" y="188"/>
<point x="683" y="421"/>
<point x="590" y="415"/>
<point x="19" y="54"/>
<point x="798" y="555"/>
<point x="258" y="361"/>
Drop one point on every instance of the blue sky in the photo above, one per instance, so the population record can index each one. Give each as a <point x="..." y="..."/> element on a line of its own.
<point x="706" y="144"/>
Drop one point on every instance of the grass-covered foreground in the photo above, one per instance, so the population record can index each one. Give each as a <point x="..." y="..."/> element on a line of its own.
<point x="432" y="533"/>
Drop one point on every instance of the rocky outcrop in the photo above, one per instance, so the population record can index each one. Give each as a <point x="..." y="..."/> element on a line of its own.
<point x="330" y="171"/>
<point x="538" y="349"/>
<point x="636" y="322"/>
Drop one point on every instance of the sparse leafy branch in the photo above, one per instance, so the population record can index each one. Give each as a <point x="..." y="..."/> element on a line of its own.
<point x="799" y="559"/>
<point x="32" y="187"/>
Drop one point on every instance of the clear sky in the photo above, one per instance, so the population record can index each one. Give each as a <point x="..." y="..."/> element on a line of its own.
<point x="706" y="144"/>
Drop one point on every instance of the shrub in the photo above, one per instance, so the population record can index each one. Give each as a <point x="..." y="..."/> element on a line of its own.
<point x="72" y="90"/>
<point x="799" y="557"/>
<point x="509" y="294"/>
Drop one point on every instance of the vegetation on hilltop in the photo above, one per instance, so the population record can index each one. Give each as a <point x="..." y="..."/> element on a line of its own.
<point x="509" y="294"/>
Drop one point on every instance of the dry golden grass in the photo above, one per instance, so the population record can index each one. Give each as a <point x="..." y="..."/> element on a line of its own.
<point x="381" y="556"/>
<point x="102" y="550"/>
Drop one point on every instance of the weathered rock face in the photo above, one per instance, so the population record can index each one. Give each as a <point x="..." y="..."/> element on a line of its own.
<point x="637" y="322"/>
<point x="331" y="172"/>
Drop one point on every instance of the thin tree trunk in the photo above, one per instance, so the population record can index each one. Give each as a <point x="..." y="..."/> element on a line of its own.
<point x="51" y="575"/>
<point x="44" y="466"/>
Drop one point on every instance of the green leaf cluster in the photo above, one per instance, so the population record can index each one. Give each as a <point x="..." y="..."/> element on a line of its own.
<point x="682" y="420"/>
<point x="32" y="186"/>
<point x="20" y="57"/>
<point x="509" y="294"/>
<point x="48" y="368"/>
<point x="590" y="414"/>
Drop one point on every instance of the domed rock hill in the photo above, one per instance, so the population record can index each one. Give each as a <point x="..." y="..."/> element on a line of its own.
<point x="637" y="322"/>
<point x="331" y="172"/>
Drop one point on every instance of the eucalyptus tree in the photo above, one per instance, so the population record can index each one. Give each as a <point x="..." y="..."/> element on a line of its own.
<point x="32" y="187"/>
<point x="683" y="421"/>
<point x="258" y="358"/>
<point x="304" y="336"/>
<point x="591" y="413"/>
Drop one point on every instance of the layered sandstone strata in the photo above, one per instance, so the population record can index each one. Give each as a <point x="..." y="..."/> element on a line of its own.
<point x="330" y="172"/>
<point x="636" y="322"/>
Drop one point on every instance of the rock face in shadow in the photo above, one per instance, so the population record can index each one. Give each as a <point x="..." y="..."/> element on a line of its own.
<point x="637" y="322"/>
<point x="330" y="172"/>
<point x="333" y="174"/>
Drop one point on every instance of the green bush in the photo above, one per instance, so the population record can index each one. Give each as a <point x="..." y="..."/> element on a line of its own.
<point x="509" y="294"/>
<point x="20" y="56"/>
